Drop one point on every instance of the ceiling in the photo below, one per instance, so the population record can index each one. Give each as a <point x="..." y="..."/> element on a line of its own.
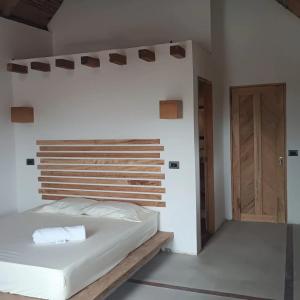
<point x="37" y="13"/>
<point x="292" y="5"/>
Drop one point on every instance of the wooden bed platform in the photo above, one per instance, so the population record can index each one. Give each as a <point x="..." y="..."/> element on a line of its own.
<point x="107" y="284"/>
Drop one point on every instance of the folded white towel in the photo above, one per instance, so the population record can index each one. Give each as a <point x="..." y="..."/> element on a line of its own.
<point x="59" y="235"/>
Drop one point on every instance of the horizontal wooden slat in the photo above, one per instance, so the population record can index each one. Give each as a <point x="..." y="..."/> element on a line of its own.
<point x="101" y="181"/>
<point x="103" y="174"/>
<point x="137" y="202"/>
<point x="101" y="148"/>
<point x="98" y="154"/>
<point x="102" y="161"/>
<point x="103" y="188"/>
<point x="100" y="142"/>
<point x="101" y="194"/>
<point x="99" y="168"/>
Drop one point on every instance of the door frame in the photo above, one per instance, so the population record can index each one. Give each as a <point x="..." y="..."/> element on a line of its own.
<point x="236" y="216"/>
<point x="210" y="161"/>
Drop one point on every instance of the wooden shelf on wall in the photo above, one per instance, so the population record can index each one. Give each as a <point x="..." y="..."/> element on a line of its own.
<point x="147" y="55"/>
<point x="40" y="66"/>
<point x="65" y="64"/>
<point x="16" y="68"/>
<point x="22" y="114"/>
<point x="177" y="51"/>
<point x="118" y="59"/>
<point x="91" y="62"/>
<point x="171" y="109"/>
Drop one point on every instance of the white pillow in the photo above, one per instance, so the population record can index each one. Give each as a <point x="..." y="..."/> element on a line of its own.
<point x="118" y="210"/>
<point x="67" y="206"/>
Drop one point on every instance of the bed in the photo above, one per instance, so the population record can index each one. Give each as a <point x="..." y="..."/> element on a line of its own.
<point x="82" y="270"/>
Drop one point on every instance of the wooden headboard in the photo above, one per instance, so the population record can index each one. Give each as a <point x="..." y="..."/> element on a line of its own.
<point x="123" y="170"/>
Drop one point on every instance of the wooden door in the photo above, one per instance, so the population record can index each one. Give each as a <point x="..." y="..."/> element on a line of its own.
<point x="258" y="153"/>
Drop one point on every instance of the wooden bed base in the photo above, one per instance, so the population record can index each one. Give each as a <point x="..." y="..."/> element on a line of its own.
<point x="108" y="283"/>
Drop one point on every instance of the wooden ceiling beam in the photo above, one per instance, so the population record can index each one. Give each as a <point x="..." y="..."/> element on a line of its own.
<point x="7" y="7"/>
<point x="294" y="6"/>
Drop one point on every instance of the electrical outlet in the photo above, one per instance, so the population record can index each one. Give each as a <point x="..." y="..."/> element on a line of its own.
<point x="173" y="164"/>
<point x="30" y="161"/>
<point x="293" y="152"/>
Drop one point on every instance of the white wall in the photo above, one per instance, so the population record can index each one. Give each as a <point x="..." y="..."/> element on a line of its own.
<point x="117" y="102"/>
<point x="93" y="25"/>
<point x="258" y="42"/>
<point x="17" y="41"/>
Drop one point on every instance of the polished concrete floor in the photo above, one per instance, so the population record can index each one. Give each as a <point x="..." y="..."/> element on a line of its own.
<point x="242" y="261"/>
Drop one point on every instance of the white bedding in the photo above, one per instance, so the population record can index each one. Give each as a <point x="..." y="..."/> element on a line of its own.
<point x="57" y="272"/>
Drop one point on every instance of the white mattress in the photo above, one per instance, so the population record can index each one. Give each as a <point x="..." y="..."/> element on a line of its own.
<point x="57" y="272"/>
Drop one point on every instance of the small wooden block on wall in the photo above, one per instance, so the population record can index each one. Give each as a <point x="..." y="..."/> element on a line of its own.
<point x="17" y="68"/>
<point x="92" y="62"/>
<point x="64" y="63"/>
<point x="177" y="51"/>
<point x="171" y="109"/>
<point x="117" y="59"/>
<point x="22" y="114"/>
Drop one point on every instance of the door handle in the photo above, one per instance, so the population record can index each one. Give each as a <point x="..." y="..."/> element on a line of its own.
<point x="281" y="160"/>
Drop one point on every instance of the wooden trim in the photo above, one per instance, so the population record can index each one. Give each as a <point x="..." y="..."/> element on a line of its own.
<point x="235" y="166"/>
<point x="101" y="181"/>
<point x="100" y="168"/>
<point x="40" y="66"/>
<point x="257" y="154"/>
<point x="98" y="155"/>
<point x="205" y="90"/>
<point x="104" y="174"/>
<point x="101" y="148"/>
<point x="100" y="194"/>
<point x="137" y="202"/>
<point x="15" y="68"/>
<point x="147" y="55"/>
<point x="104" y="188"/>
<point x="65" y="64"/>
<point x="91" y="62"/>
<point x="209" y="152"/>
<point x="118" y="59"/>
<point x="258" y="218"/>
<point x="102" y="161"/>
<point x="255" y="85"/>
<point x="99" y="142"/>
